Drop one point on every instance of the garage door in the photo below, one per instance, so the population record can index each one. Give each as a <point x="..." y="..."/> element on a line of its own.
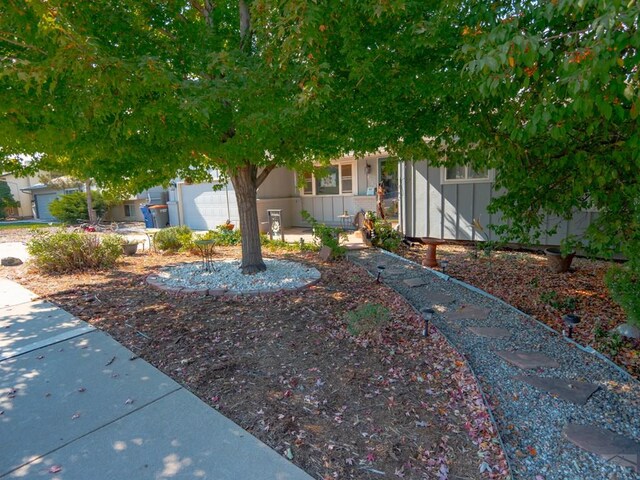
<point x="204" y="209"/>
<point x="42" y="205"/>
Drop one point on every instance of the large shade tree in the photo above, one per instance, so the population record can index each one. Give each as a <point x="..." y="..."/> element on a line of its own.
<point x="133" y="93"/>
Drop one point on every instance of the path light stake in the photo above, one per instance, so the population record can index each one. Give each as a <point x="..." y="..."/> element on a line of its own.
<point x="570" y="320"/>
<point x="427" y="315"/>
<point x="443" y="264"/>
<point x="380" y="269"/>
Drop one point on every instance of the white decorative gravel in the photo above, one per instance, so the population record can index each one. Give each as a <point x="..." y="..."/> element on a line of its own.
<point x="226" y="275"/>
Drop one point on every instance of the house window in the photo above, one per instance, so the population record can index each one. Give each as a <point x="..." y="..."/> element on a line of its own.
<point x="67" y="191"/>
<point x="336" y="180"/>
<point x="128" y="210"/>
<point x="466" y="174"/>
<point x="346" y="179"/>
<point x="308" y="184"/>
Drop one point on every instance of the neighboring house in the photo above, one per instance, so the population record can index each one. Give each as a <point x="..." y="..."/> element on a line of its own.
<point x="24" y="199"/>
<point x="424" y="200"/>
<point x="34" y="198"/>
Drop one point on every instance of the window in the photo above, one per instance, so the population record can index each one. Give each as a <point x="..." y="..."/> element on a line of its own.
<point x="346" y="180"/>
<point x="128" y="210"/>
<point x="328" y="183"/>
<point x="67" y="191"/>
<point x="466" y="174"/>
<point x="337" y="180"/>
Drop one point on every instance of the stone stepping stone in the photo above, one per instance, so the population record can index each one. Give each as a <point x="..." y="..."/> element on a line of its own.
<point x="414" y="282"/>
<point x="528" y="359"/>
<point x="436" y="298"/>
<point x="490" y="332"/>
<point x="469" y="312"/>
<point x="567" y="389"/>
<point x="611" y="446"/>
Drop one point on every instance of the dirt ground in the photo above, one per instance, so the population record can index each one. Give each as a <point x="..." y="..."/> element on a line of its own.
<point x="522" y="279"/>
<point x="387" y="403"/>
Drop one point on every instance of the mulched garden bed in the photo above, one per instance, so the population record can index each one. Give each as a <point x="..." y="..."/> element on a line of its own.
<point x="387" y="403"/>
<point x="522" y="279"/>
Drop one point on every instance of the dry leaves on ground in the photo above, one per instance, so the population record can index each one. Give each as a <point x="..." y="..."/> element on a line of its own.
<point x="285" y="367"/>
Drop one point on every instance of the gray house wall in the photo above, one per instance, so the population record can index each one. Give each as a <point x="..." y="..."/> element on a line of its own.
<point x="433" y="209"/>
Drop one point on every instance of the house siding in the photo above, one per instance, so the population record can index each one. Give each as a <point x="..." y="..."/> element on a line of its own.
<point x="434" y="209"/>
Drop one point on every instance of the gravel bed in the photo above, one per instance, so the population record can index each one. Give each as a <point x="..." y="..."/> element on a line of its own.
<point x="226" y="275"/>
<point x="530" y="421"/>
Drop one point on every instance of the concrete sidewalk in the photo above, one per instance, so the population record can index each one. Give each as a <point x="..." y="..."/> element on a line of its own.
<point x="75" y="404"/>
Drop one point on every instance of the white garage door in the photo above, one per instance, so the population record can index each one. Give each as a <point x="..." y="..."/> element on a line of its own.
<point x="205" y="209"/>
<point x="42" y="205"/>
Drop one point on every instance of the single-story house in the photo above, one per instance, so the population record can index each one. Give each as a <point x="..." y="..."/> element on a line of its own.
<point x="424" y="200"/>
<point x="349" y="186"/>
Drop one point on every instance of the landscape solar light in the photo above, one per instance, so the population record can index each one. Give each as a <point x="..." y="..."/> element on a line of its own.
<point x="427" y="315"/>
<point x="570" y="320"/>
<point x="443" y="264"/>
<point x="380" y="269"/>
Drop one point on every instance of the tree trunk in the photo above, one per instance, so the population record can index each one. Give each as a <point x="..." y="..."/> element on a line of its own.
<point x="245" y="183"/>
<point x="90" y="211"/>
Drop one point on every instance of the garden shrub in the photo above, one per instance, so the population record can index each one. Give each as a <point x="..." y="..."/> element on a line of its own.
<point x="624" y="284"/>
<point x="6" y="199"/>
<point x="173" y="239"/>
<point x="66" y="252"/>
<point x="277" y="244"/>
<point x="326" y="236"/>
<point x="72" y="207"/>
<point x="367" y="319"/>
<point x="222" y="236"/>
<point x="385" y="236"/>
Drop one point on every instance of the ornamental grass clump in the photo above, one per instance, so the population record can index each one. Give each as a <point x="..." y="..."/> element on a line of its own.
<point x="67" y="252"/>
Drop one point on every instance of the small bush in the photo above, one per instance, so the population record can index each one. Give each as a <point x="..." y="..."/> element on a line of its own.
<point x="222" y="236"/>
<point x="324" y="235"/>
<point x="173" y="239"/>
<point x="277" y="244"/>
<point x="385" y="236"/>
<point x="367" y="319"/>
<point x="65" y="252"/>
<point x="72" y="207"/>
<point x="624" y="285"/>
<point x="566" y="304"/>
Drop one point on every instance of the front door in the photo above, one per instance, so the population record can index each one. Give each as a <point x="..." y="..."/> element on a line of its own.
<point x="388" y="176"/>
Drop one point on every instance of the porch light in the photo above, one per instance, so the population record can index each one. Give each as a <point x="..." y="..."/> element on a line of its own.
<point x="570" y="320"/>
<point x="444" y="264"/>
<point x="368" y="168"/>
<point x="427" y="315"/>
<point x="380" y="270"/>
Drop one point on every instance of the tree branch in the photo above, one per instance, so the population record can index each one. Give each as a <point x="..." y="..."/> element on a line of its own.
<point x="245" y="25"/>
<point x="21" y="44"/>
<point x="264" y="173"/>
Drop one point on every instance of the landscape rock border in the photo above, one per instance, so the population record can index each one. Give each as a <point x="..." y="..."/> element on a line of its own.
<point x="155" y="280"/>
